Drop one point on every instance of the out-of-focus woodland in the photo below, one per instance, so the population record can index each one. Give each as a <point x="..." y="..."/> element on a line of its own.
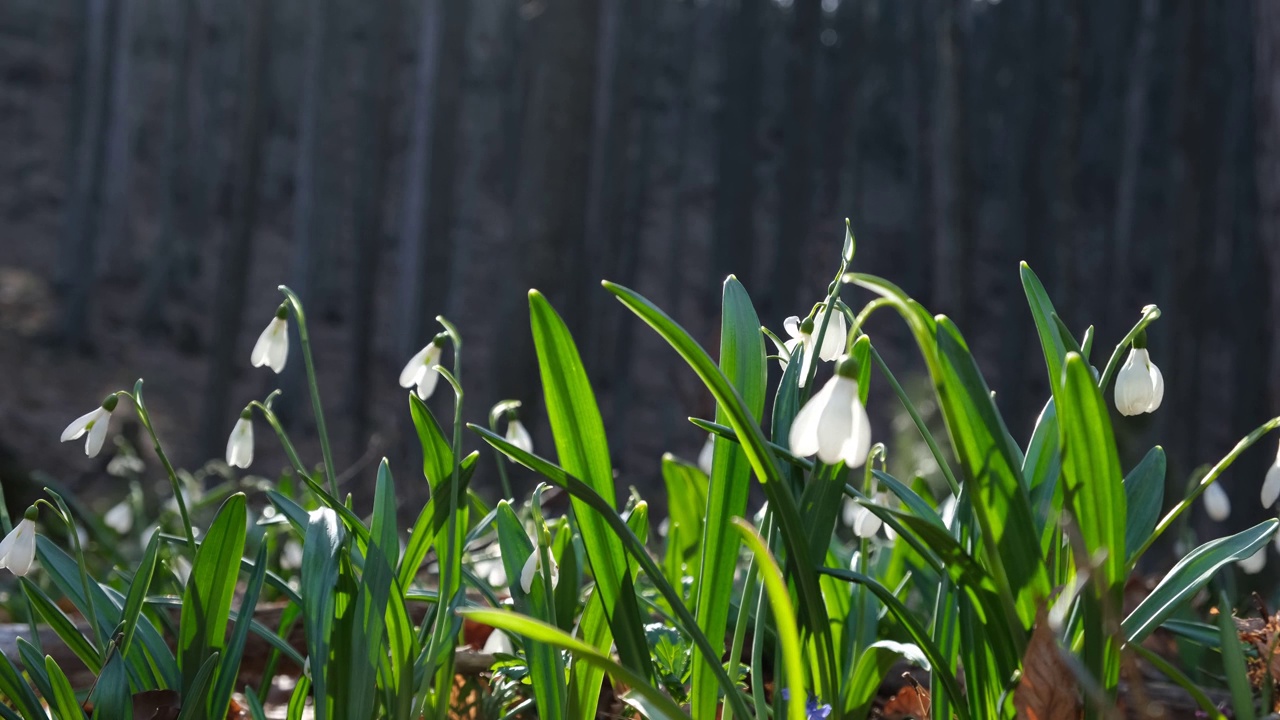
<point x="167" y="163"/>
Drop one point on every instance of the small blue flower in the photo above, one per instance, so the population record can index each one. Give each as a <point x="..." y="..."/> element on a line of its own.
<point x="816" y="711"/>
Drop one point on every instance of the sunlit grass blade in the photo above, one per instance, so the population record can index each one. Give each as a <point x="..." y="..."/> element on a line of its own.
<point x="546" y="671"/>
<point x="1234" y="664"/>
<point x="224" y="682"/>
<point x="919" y="635"/>
<point x="194" y="699"/>
<point x="619" y="527"/>
<point x="373" y="593"/>
<point x="16" y="690"/>
<point x="1189" y="575"/>
<point x="784" y="618"/>
<point x="431" y="522"/>
<point x="1144" y="496"/>
<point x="320" y="551"/>
<point x="63" y="704"/>
<point x="686" y="509"/>
<point x="742" y="360"/>
<point x="62" y="626"/>
<point x="800" y="561"/>
<point x="584" y="453"/>
<point x="206" y="601"/>
<point x="138" y="592"/>
<point x="663" y="707"/>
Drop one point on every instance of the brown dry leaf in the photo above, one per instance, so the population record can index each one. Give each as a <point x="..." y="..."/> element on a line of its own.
<point x="1047" y="690"/>
<point x="910" y="703"/>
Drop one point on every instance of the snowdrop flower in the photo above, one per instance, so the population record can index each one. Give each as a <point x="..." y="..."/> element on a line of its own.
<point x="533" y="566"/>
<point x="1216" y="502"/>
<point x="707" y="454"/>
<point x="865" y="523"/>
<point x="291" y="555"/>
<point x="18" y="549"/>
<point x="518" y="435"/>
<point x="120" y="517"/>
<point x="181" y="567"/>
<point x="1271" y="485"/>
<point x="1139" y="384"/>
<point x="805" y="335"/>
<point x="498" y="642"/>
<point x="834" y="423"/>
<point x="421" y="368"/>
<point x="272" y="348"/>
<point x="94" y="423"/>
<point x="1253" y="564"/>
<point x="240" y="444"/>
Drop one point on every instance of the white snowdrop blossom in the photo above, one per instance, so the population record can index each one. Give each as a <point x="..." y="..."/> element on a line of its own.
<point x="291" y="555"/>
<point x="94" y="424"/>
<point x="498" y="642"/>
<point x="1271" y="485"/>
<point x="707" y="454"/>
<point x="1216" y="503"/>
<point x="518" y="435"/>
<point x="240" y="443"/>
<point x="1253" y="564"/>
<point x="18" y="549"/>
<point x="804" y="334"/>
<point x="1139" y="384"/>
<point x="834" y="424"/>
<point x="533" y="566"/>
<point x="421" y="370"/>
<point x="272" y="348"/>
<point x="120" y="517"/>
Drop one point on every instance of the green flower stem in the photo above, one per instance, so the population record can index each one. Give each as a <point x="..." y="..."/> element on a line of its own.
<point x="444" y="619"/>
<point x="749" y="588"/>
<point x="829" y="307"/>
<point x="502" y="469"/>
<point x="145" y="418"/>
<point x="312" y="385"/>
<point x="1204" y="483"/>
<point x="64" y="513"/>
<point x="947" y="473"/>
<point x="1150" y="314"/>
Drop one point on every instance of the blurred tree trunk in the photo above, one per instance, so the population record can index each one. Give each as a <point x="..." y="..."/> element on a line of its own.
<point x="233" y="272"/>
<point x="177" y="171"/>
<point x="546" y="246"/>
<point x="920" y="115"/>
<point x="427" y="211"/>
<point x="372" y="157"/>
<point x="734" y="235"/>
<point x="1266" y="73"/>
<point x="82" y="212"/>
<point x="952" y="238"/>
<point x="795" y="191"/>
<point x="112" y="256"/>
<point x="311" y="166"/>
<point x="1133" y="135"/>
<point x="1065" y="205"/>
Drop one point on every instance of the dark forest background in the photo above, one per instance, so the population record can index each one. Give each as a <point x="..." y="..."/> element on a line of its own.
<point x="166" y="163"/>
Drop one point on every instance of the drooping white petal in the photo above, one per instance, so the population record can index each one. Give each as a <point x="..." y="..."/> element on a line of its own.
<point x="414" y="369"/>
<point x="240" y="444"/>
<point x="867" y="523"/>
<point x="803" y="438"/>
<point x="706" y="454"/>
<point x="1157" y="386"/>
<point x="18" y="549"/>
<point x="498" y="642"/>
<point x="81" y="424"/>
<point x="1253" y="564"/>
<point x="837" y="335"/>
<point x="518" y="435"/>
<point x="97" y="435"/>
<point x="528" y="571"/>
<point x="427" y="382"/>
<point x="272" y="347"/>
<point x="855" y="449"/>
<point x="806" y="362"/>
<point x="119" y="517"/>
<point x="1134" y="385"/>
<point x="291" y="555"/>
<point x="837" y="426"/>
<point x="1216" y="502"/>
<point x="1271" y="486"/>
<point x="792" y="326"/>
